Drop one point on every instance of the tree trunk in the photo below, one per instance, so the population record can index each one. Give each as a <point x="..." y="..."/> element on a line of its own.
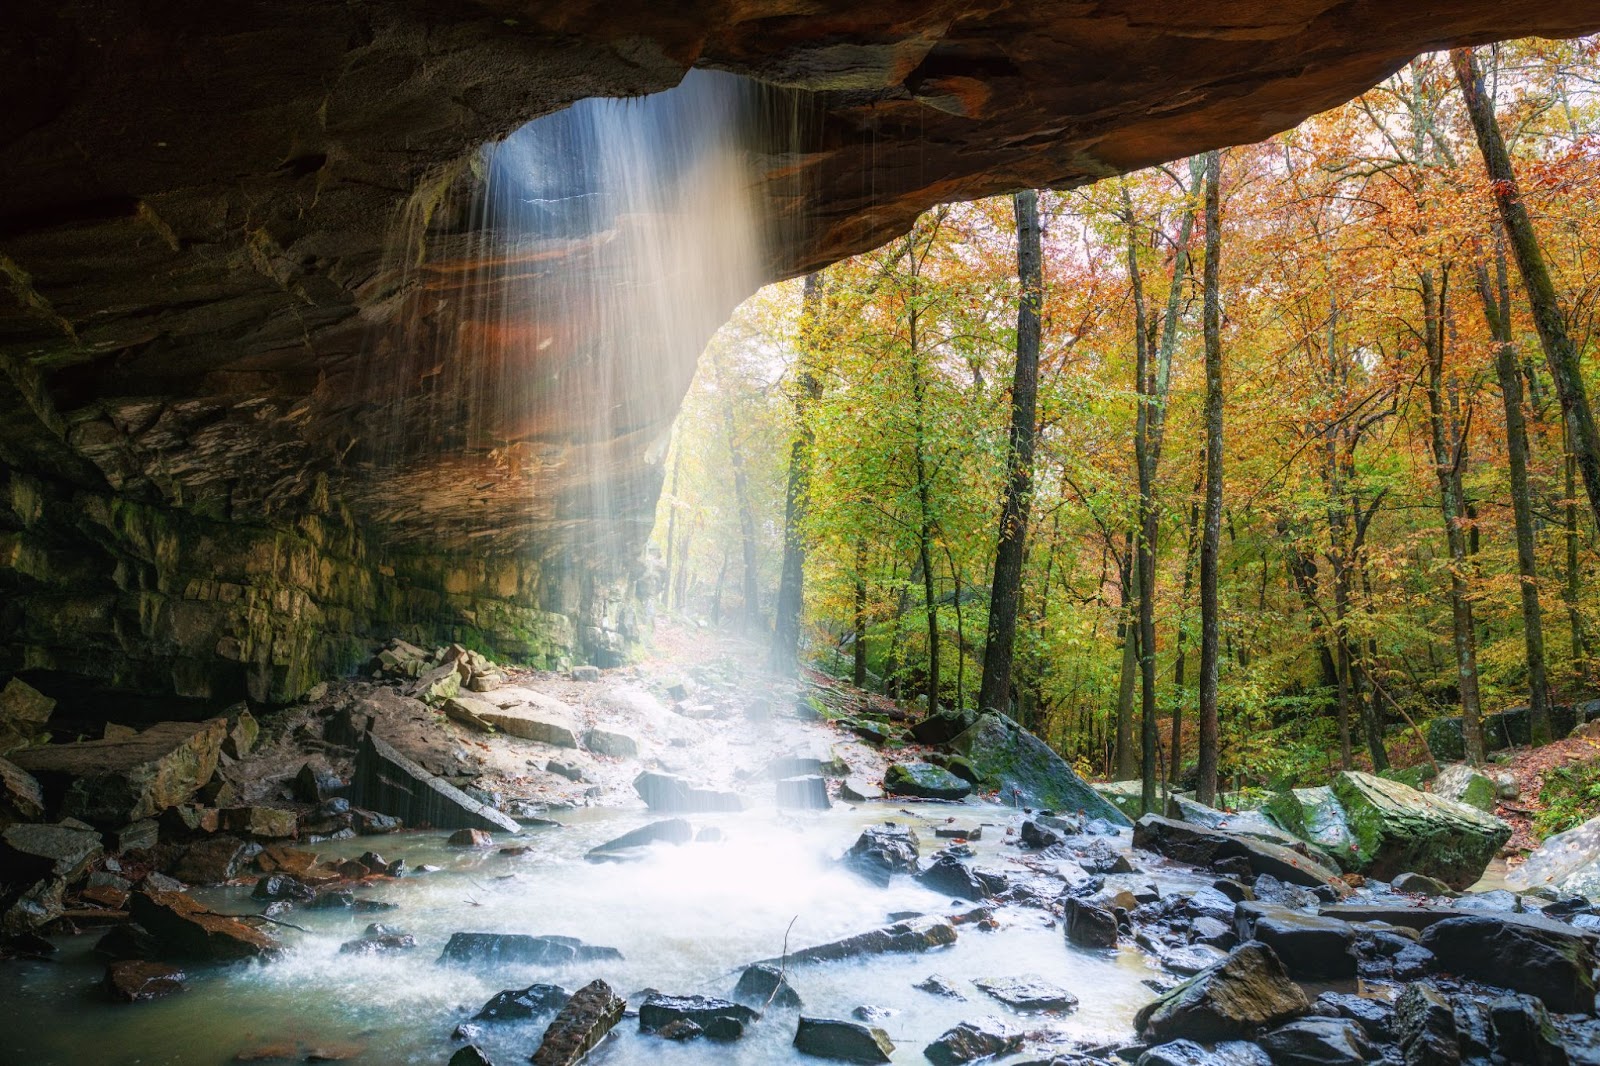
<point x="1180" y="660"/>
<point x="859" y="671"/>
<point x="1127" y="767"/>
<point x="1211" y="536"/>
<point x="1574" y="616"/>
<point x="791" y="582"/>
<point x="672" y="519"/>
<point x="1507" y="368"/>
<point x="1559" y="351"/>
<point x="747" y="522"/>
<point x="1448" y="455"/>
<point x="994" y="691"/>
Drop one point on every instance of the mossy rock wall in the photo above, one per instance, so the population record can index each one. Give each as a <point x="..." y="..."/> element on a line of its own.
<point x="142" y="597"/>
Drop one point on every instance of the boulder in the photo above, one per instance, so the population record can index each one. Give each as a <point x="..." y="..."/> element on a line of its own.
<point x="951" y="876"/>
<point x="470" y="838"/>
<point x="1244" y="823"/>
<point x="243" y="730"/>
<point x="1310" y="946"/>
<point x="881" y="851"/>
<point x="831" y="1038"/>
<point x="21" y="799"/>
<point x="1415" y="884"/>
<point x="1396" y="829"/>
<point x="533" y="716"/>
<point x="610" y="743"/>
<point x="1540" y="957"/>
<point x="761" y="984"/>
<point x="1029" y="993"/>
<point x="33" y="851"/>
<point x="518" y="1004"/>
<point x="387" y="782"/>
<point x="1207" y="847"/>
<point x="213" y="860"/>
<point x="384" y="943"/>
<point x="1022" y="766"/>
<point x="470" y="712"/>
<point x="1089" y="926"/>
<point x="1189" y="1053"/>
<point x="262" y="823"/>
<point x="135" y="980"/>
<point x="591" y="1013"/>
<point x="672" y="794"/>
<point x="314" y="784"/>
<point x="924" y="781"/>
<point x="521" y="949"/>
<point x="1126" y="796"/>
<point x="108" y="783"/>
<point x="1425" y="1027"/>
<point x="625" y="847"/>
<point x="911" y="936"/>
<point x="471" y="1055"/>
<point x="970" y="1041"/>
<point x="1568" y="862"/>
<point x="808" y="792"/>
<point x="185" y="929"/>
<point x="942" y="728"/>
<point x="718" y="1019"/>
<point x="1247" y="992"/>
<point x="1318" y="1042"/>
<point x="24" y="713"/>
<point x="1463" y="784"/>
<point x="1501" y="730"/>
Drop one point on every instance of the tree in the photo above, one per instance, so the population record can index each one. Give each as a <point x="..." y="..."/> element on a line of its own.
<point x="1211" y="535"/>
<point x="791" y="588"/>
<point x="994" y="690"/>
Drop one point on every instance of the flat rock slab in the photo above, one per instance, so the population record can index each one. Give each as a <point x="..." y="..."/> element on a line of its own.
<point x="1542" y="958"/>
<point x="610" y="743"/>
<point x="971" y="1041"/>
<point x="185" y="929"/>
<point x="1029" y="993"/>
<point x="1022" y="766"/>
<point x="544" y="719"/>
<point x="515" y="1004"/>
<point x="719" y="1019"/>
<point x="1396" y="829"/>
<point x="591" y="1013"/>
<point x="910" y="936"/>
<point x="1198" y="846"/>
<point x="389" y="783"/>
<point x="1315" y="816"/>
<point x="859" y="790"/>
<point x="924" y="781"/>
<point x="842" y="1041"/>
<point x="134" y="980"/>
<point x="1311" y="946"/>
<point x="110" y="783"/>
<point x="21" y="798"/>
<point x="31" y="852"/>
<point x="519" y="948"/>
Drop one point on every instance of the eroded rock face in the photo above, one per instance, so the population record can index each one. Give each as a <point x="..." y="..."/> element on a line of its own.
<point x="200" y="393"/>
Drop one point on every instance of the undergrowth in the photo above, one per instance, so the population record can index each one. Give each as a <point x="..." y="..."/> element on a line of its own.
<point x="1570" y="796"/>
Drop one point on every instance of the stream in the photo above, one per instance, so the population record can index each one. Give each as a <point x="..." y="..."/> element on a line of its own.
<point x="685" y="918"/>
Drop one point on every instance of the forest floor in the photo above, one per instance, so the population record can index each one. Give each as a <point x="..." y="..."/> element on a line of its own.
<point x="1529" y="766"/>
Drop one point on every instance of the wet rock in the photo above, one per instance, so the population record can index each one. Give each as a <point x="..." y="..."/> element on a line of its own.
<point x="1189" y="1053"/>
<point x="591" y="1013"/>
<point x="1567" y="862"/>
<point x="388" y="782"/>
<point x="1425" y="1026"/>
<point x="1540" y="957"/>
<point x="1375" y="1017"/>
<point x="1101" y="857"/>
<point x="275" y="887"/>
<point x="859" y="790"/>
<point x="939" y="985"/>
<point x="532" y="716"/>
<point x="1398" y="829"/>
<point x="910" y="936"/>
<point x="471" y="1055"/>
<point x="809" y="792"/>
<point x="568" y="770"/>
<point x="370" y="823"/>
<point x="240" y="739"/>
<point x="185" y="929"/>
<point x="872" y="1015"/>
<point x="682" y="1029"/>
<point x="1035" y="836"/>
<point x="951" y="876"/>
<point x="626" y="846"/>
<point x="1311" y="946"/>
<point x="314" y="784"/>
<point x="719" y="1019"/>
<point x="1029" y="993"/>
<point x="612" y="744"/>
<point x="469" y="711"/>
<point x="1247" y="992"/>
<point x="127" y="941"/>
<point x="108" y="783"/>
<point x="673" y="794"/>
<point x="924" y="781"/>
<point x="970" y="1041"/>
<point x="21" y="799"/>
<point x="1318" y="1042"/>
<point x="215" y="860"/>
<point x="62" y="851"/>
<point x="518" y="1004"/>
<point x="830" y="1038"/>
<point x="1207" y="847"/>
<point x="1089" y="926"/>
<point x="959" y="832"/>
<point x="385" y="943"/>
<point x="262" y="823"/>
<point x="587" y="674"/>
<point x="1024" y="767"/>
<point x="24" y="713"/>
<point x="470" y="838"/>
<point x="1413" y="884"/>
<point x="134" y="980"/>
<point x="881" y="851"/>
<point x="503" y="948"/>
<point x="761" y="985"/>
<point x="1524" y="1033"/>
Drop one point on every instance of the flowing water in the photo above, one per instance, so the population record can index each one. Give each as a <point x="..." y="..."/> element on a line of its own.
<point x="685" y="919"/>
